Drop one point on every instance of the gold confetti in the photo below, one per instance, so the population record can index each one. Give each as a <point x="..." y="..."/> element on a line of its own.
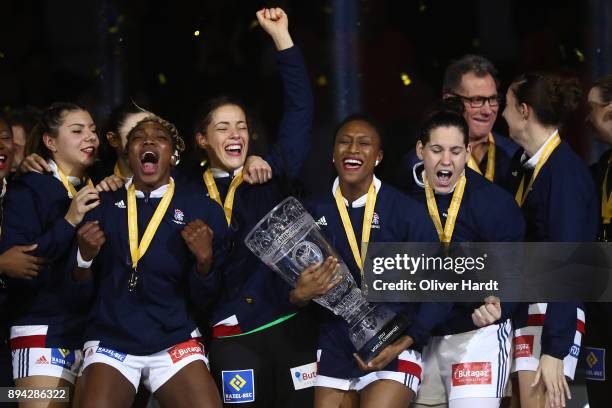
<point x="254" y="23"/>
<point x="2" y="54"/>
<point x="196" y="33"/>
<point x="405" y="79"/>
<point x="321" y="80"/>
<point x="579" y="54"/>
<point x="113" y="29"/>
<point x="422" y="7"/>
<point x="162" y="78"/>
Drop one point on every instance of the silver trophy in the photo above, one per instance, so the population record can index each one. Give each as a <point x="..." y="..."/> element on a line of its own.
<point x="288" y="240"/>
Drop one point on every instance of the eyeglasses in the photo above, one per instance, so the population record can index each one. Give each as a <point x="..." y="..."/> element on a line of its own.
<point x="479" y="101"/>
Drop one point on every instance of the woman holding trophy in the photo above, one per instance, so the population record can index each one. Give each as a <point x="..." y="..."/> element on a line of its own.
<point x="361" y="209"/>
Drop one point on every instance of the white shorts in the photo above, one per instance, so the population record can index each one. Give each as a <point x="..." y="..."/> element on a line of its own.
<point x="31" y="357"/>
<point x="475" y="364"/>
<point x="154" y="369"/>
<point x="410" y="367"/>
<point x="528" y="346"/>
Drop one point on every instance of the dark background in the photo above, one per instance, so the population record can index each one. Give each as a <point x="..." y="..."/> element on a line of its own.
<point x="101" y="52"/>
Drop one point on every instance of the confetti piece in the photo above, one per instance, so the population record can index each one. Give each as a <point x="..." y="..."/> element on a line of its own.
<point x="321" y="80"/>
<point x="162" y="78"/>
<point x="196" y="33"/>
<point x="405" y="79"/>
<point x="579" y="54"/>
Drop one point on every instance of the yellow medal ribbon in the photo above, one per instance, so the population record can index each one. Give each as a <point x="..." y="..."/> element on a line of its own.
<point x="490" y="172"/>
<point x="445" y="234"/>
<point x="68" y="185"/>
<point x="213" y="192"/>
<point x="2" y="209"/>
<point x="137" y="251"/>
<point x="368" y="215"/>
<point x="549" y="147"/>
<point x="606" y="198"/>
<point x="117" y="171"/>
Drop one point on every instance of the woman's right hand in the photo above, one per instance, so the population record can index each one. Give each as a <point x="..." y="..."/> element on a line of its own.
<point x="274" y="21"/>
<point x="316" y="280"/>
<point x="86" y="199"/>
<point x="90" y="239"/>
<point x="34" y="163"/>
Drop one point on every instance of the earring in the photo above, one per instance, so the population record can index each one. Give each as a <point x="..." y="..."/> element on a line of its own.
<point x="376" y="164"/>
<point x="176" y="158"/>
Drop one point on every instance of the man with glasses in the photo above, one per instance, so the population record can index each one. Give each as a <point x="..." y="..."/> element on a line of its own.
<point x="473" y="78"/>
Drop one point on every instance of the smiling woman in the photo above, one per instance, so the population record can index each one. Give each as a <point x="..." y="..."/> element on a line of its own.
<point x="43" y="209"/>
<point x="169" y="270"/>
<point x="360" y="209"/>
<point x="153" y="148"/>
<point x="6" y="147"/>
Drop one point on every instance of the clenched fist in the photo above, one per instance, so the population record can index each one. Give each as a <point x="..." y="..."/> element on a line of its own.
<point x="90" y="239"/>
<point x="198" y="236"/>
<point x="275" y="22"/>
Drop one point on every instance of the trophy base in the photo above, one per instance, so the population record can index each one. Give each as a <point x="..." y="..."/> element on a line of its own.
<point x="387" y="335"/>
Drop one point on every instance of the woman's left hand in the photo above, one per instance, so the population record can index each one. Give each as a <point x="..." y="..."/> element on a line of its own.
<point x="110" y="183"/>
<point x="198" y="236"/>
<point x="551" y="372"/>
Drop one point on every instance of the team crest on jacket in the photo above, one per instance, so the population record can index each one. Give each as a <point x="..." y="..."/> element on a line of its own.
<point x="179" y="216"/>
<point x="376" y="221"/>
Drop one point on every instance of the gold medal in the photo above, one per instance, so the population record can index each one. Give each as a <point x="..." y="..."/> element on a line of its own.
<point x="606" y="198"/>
<point x="213" y="192"/>
<point x="367" y="223"/>
<point x="549" y="147"/>
<point x="445" y="233"/>
<point x="137" y="250"/>
<point x="490" y="172"/>
<point x="68" y="185"/>
<point x="117" y="171"/>
<point x="366" y="228"/>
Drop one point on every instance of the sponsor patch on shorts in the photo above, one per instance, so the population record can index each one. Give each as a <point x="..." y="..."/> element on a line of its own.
<point x="575" y="350"/>
<point x="471" y="373"/>
<point x="595" y="359"/>
<point x="304" y="376"/>
<point x="111" y="353"/>
<point x="238" y="386"/>
<point x="62" y="357"/>
<point x="523" y="346"/>
<point x="185" y="349"/>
